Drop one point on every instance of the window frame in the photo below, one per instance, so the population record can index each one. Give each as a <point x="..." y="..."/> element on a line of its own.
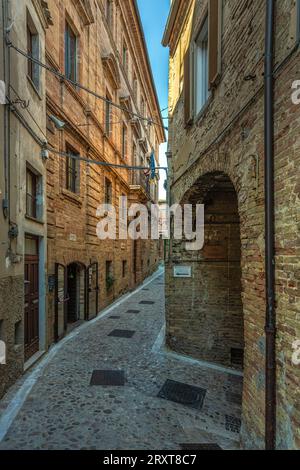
<point x="124" y="141"/>
<point x="32" y="211"/>
<point x="73" y="171"/>
<point x="124" y="268"/>
<point x="108" y="191"/>
<point x="71" y="67"/>
<point x="109" y="14"/>
<point x="108" y="116"/>
<point x="202" y="37"/>
<point x="125" y="56"/>
<point x="33" y="50"/>
<point x="298" y="22"/>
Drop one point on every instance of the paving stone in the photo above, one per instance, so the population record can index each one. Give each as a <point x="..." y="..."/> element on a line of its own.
<point x="63" y="406"/>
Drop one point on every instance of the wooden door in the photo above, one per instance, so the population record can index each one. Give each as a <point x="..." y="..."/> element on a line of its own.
<point x="31" y="313"/>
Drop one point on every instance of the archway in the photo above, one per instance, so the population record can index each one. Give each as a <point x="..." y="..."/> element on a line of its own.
<point x="212" y="326"/>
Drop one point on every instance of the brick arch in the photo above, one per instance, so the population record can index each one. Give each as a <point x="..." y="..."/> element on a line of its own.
<point x="213" y="296"/>
<point x="208" y="166"/>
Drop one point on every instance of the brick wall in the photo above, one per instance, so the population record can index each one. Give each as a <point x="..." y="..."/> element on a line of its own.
<point x="228" y="137"/>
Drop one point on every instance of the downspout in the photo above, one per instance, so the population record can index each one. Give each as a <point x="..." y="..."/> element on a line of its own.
<point x="270" y="327"/>
<point x="6" y="130"/>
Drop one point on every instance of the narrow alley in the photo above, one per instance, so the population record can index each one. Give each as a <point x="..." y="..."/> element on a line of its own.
<point x="59" y="405"/>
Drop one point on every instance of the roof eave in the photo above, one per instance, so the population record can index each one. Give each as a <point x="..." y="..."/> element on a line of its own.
<point x="170" y="22"/>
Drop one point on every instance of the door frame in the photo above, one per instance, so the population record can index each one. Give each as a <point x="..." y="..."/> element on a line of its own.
<point x="56" y="335"/>
<point x="87" y="289"/>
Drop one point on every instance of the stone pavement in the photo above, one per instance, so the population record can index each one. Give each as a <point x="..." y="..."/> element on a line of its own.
<point x="63" y="411"/>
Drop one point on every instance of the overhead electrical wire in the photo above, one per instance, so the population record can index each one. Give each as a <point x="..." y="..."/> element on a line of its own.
<point x="100" y="163"/>
<point x="82" y="87"/>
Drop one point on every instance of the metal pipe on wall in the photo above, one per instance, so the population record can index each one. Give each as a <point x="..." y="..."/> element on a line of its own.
<point x="270" y="327"/>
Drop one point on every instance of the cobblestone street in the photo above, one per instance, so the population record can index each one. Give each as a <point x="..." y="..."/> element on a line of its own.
<point x="63" y="410"/>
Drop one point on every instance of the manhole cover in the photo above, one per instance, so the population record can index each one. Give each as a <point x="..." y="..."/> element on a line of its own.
<point x="122" y="333"/>
<point x="146" y="302"/>
<point x="200" y="447"/>
<point x="133" y="311"/>
<point x="115" y="378"/>
<point x="184" y="394"/>
<point x="233" y="424"/>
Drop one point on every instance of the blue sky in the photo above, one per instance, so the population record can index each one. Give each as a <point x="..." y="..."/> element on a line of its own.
<point x="154" y="14"/>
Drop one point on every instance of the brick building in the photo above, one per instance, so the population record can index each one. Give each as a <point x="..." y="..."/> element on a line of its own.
<point x="23" y="227"/>
<point x="216" y="155"/>
<point x="101" y="45"/>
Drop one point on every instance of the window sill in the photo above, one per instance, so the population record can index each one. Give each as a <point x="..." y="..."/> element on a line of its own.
<point x="33" y="219"/>
<point x="72" y="197"/>
<point x="35" y="89"/>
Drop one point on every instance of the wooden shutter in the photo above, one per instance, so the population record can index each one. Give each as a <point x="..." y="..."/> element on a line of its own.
<point x="188" y="88"/>
<point x="215" y="41"/>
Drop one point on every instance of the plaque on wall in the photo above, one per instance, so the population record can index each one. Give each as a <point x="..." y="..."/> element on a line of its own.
<point x="182" y="271"/>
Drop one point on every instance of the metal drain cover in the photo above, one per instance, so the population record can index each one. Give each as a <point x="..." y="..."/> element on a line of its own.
<point x="146" y="302"/>
<point x="122" y="333"/>
<point x="200" y="447"/>
<point x="233" y="424"/>
<point x="133" y="311"/>
<point x="184" y="394"/>
<point x="115" y="378"/>
<point x="114" y="317"/>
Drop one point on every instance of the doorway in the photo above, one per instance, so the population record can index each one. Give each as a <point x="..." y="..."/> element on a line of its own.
<point x="76" y="293"/>
<point x="31" y="304"/>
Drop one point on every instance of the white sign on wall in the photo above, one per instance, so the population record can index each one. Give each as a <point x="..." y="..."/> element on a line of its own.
<point x="182" y="271"/>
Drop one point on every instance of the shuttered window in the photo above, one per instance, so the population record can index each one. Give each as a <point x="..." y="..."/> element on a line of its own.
<point x="215" y="40"/>
<point x="188" y="87"/>
<point x="202" y="62"/>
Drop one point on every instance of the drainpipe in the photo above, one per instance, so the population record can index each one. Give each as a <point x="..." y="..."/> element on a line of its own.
<point x="6" y="130"/>
<point x="270" y="327"/>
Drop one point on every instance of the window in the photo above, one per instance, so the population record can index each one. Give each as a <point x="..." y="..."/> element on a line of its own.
<point x="124" y="141"/>
<point x="125" y="56"/>
<point x="135" y="87"/>
<point x="124" y="268"/>
<point x="201" y="68"/>
<point x="203" y="62"/>
<point x="108" y="116"/>
<point x="71" y="52"/>
<point x="72" y="171"/>
<point x="109" y="277"/>
<point x="33" y="47"/>
<point x="108" y="191"/>
<point x="110" y="14"/>
<point x="142" y="107"/>
<point x="31" y="193"/>
<point x="298" y="21"/>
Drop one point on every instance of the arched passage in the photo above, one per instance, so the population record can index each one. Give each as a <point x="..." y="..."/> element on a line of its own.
<point x="211" y="326"/>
